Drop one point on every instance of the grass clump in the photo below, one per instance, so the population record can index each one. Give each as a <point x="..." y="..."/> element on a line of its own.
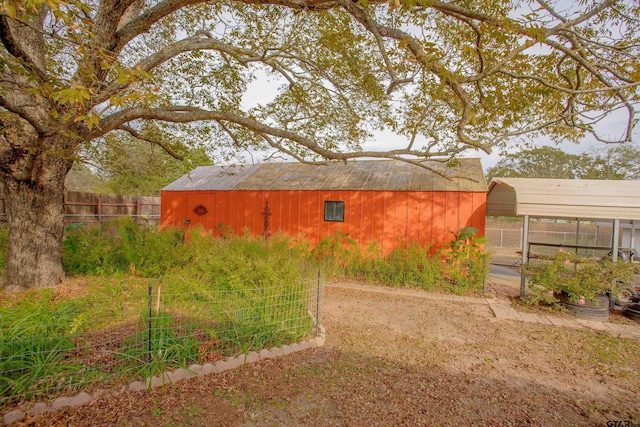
<point x="37" y="340"/>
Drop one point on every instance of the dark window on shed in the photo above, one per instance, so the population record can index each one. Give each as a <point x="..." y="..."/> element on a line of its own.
<point x="334" y="211"/>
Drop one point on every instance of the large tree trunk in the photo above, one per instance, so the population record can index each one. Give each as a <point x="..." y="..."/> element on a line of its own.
<point x="35" y="222"/>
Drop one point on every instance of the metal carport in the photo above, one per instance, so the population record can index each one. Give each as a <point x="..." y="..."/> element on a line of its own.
<point x="567" y="199"/>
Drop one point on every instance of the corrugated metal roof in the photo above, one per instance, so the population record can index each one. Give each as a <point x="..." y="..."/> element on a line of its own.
<point x="388" y="175"/>
<point x="564" y="198"/>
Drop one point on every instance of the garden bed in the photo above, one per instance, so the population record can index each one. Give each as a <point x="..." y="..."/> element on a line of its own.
<point x="404" y="360"/>
<point x="53" y="346"/>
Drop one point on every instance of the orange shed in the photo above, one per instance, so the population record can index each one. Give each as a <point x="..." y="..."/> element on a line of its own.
<point x="386" y="201"/>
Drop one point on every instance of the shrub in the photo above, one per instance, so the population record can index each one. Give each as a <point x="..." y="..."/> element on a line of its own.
<point x="580" y="279"/>
<point x="459" y="268"/>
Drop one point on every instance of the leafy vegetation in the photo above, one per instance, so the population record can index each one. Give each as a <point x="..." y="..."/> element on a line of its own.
<point x="126" y="165"/>
<point x="459" y="268"/>
<point x="580" y="279"/>
<point x="297" y="79"/>
<point x="157" y="300"/>
<point x="210" y="298"/>
<point x="617" y="162"/>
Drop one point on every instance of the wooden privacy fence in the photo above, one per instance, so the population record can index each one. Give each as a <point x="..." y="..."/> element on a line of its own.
<point x="99" y="208"/>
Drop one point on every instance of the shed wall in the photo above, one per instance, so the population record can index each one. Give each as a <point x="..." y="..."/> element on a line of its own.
<point x="386" y="217"/>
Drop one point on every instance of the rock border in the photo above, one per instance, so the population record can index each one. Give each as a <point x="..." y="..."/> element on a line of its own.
<point x="168" y="377"/>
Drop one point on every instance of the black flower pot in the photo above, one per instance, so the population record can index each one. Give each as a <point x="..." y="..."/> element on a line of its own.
<point x="591" y="310"/>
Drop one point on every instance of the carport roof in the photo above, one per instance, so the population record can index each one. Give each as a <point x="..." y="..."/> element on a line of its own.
<point x="564" y="198"/>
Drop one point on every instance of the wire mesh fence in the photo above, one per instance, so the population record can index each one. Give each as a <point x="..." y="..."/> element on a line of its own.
<point x="47" y="351"/>
<point x="151" y="220"/>
<point x="512" y="238"/>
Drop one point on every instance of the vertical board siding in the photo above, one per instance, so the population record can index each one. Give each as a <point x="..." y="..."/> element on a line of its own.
<point x="366" y="216"/>
<point x="438" y="217"/>
<point x="413" y="217"/>
<point x="425" y="222"/>
<point x="402" y="218"/>
<point x="390" y="218"/>
<point x="479" y="216"/>
<point x="377" y="217"/>
<point x="452" y="221"/>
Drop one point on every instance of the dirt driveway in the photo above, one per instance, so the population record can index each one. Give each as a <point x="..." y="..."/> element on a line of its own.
<point x="404" y="360"/>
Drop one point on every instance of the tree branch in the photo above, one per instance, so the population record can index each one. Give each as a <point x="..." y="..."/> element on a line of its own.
<point x="193" y="114"/>
<point x="13" y="34"/>
<point x="243" y="56"/>
<point x="23" y="114"/>
<point x="141" y="24"/>
<point x="157" y="142"/>
<point x="430" y="64"/>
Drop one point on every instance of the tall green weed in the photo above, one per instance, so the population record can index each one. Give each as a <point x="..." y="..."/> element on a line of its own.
<point x="123" y="246"/>
<point x="459" y="267"/>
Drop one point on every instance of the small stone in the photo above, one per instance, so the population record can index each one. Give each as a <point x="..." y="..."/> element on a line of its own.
<point x="135" y="386"/>
<point x="98" y="394"/>
<point x="208" y="368"/>
<point x="221" y="365"/>
<point x="276" y="352"/>
<point x="116" y="393"/>
<point x="304" y="345"/>
<point x="61" y="402"/>
<point x="195" y="369"/>
<point x="252" y="357"/>
<point x="178" y="375"/>
<point x="13" y="417"/>
<point x="153" y="382"/>
<point x="265" y="354"/>
<point x="39" y="409"/>
<point x="234" y="362"/>
<point x="295" y="347"/>
<point x="79" y="400"/>
<point x="287" y="349"/>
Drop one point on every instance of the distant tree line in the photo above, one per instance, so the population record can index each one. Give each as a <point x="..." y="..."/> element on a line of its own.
<point x="121" y="164"/>
<point x="614" y="162"/>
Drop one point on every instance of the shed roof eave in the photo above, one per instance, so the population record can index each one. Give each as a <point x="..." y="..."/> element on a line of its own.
<point x="555" y="198"/>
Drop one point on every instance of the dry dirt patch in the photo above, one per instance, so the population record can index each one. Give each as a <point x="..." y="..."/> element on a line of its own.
<point x="403" y="360"/>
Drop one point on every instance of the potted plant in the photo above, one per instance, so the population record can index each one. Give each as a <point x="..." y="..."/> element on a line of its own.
<point x="580" y="285"/>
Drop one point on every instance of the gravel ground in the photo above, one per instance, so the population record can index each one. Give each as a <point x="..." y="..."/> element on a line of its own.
<point x="403" y="360"/>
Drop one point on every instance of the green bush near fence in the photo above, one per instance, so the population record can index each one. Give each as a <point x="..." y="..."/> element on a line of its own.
<point x="460" y="267"/>
<point x="122" y="246"/>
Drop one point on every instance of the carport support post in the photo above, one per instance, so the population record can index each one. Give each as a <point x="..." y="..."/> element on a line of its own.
<point x="632" y="244"/>
<point x="614" y="240"/>
<point x="525" y="255"/>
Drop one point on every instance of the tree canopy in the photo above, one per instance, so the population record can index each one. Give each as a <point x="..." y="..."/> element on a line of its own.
<point x="122" y="164"/>
<point x="445" y="76"/>
<point x="614" y="162"/>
